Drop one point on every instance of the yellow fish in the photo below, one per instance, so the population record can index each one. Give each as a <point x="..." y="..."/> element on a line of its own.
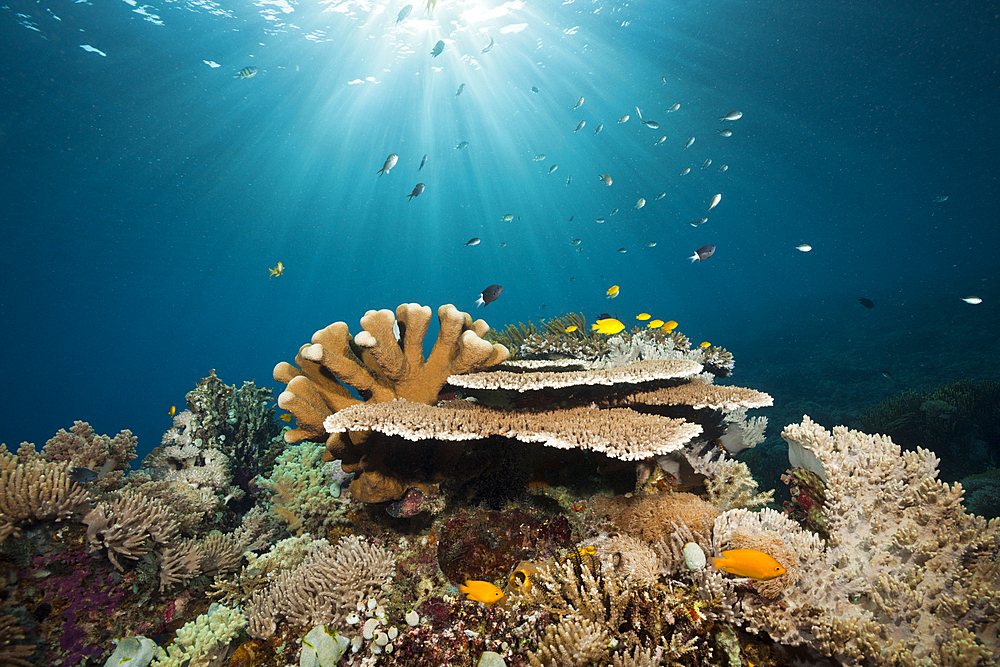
<point x="481" y="591"/>
<point x="608" y="327"/>
<point x="749" y="563"/>
<point x="655" y="324"/>
<point x="172" y="411"/>
<point x="287" y="418"/>
<point x="612" y="291"/>
<point x="571" y="328"/>
<point x="642" y="316"/>
<point x="277" y="271"/>
<point x="705" y="344"/>
<point x="670" y="326"/>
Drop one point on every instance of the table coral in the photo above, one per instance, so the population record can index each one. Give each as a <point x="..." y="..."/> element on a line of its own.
<point x="380" y="368"/>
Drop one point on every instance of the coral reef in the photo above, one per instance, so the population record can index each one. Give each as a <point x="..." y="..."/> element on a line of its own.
<point x="549" y="340"/>
<point x="907" y="576"/>
<point x="108" y="457"/>
<point x="381" y="368"/>
<point x="32" y="489"/>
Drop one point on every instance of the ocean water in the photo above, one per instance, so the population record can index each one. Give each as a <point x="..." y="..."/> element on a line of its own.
<point x="146" y="191"/>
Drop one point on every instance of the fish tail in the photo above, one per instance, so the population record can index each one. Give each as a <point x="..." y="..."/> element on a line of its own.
<point x="694" y="258"/>
<point x="479" y="302"/>
<point x="718" y="563"/>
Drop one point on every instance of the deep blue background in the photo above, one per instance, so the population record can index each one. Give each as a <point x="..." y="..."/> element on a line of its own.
<point x="145" y="194"/>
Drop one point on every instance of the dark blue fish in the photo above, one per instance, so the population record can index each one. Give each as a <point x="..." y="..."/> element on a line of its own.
<point x="867" y="303"/>
<point x="438" y="48"/>
<point x="702" y="253"/>
<point x="489" y="295"/>
<point x="422" y="163"/>
<point x="417" y="190"/>
<point x="534" y="89"/>
<point x="82" y="475"/>
<point x="403" y="13"/>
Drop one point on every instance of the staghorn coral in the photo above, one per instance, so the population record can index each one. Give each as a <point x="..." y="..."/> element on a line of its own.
<point x="574" y="641"/>
<point x="108" y="457"/>
<point x="328" y="584"/>
<point x="907" y="578"/>
<point x="380" y="368"/>
<point x="35" y="490"/>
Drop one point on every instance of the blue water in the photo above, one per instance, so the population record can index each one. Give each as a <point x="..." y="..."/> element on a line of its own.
<point x="146" y="193"/>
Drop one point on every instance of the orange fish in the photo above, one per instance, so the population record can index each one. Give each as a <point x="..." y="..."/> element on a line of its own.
<point x="749" y="563"/>
<point x="481" y="591"/>
<point x="287" y="418"/>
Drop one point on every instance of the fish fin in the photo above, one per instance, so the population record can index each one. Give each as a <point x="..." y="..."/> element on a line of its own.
<point x="693" y="258"/>
<point x="480" y="302"/>
<point x="718" y="563"/>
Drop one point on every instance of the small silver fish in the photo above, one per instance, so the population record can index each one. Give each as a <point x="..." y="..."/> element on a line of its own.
<point x="551" y="169"/>
<point x="569" y="179"/>
<point x="489" y="47"/>
<point x="576" y="242"/>
<point x="246" y="73"/>
<point x="507" y="217"/>
<point x="422" y="162"/>
<point x="639" y="204"/>
<point x="599" y="221"/>
<point x="598" y="130"/>
<point x="539" y="157"/>
<point x="940" y="199"/>
<point x="622" y="250"/>
<point x="726" y="132"/>
<point x="803" y="247"/>
<point x="732" y="115"/>
<point x="472" y="241"/>
<point x="660" y="140"/>
<point x="614" y="210"/>
<point x="651" y="244"/>
<point x="707" y="163"/>
<point x="390" y="162"/>
<point x="974" y="300"/>
<point x="403" y="13"/>
<point x="724" y="167"/>
<point x="688" y="144"/>
<point x="418" y="189"/>
<point x="715" y="202"/>
<point x="606" y="178"/>
<point x="623" y="119"/>
<point x="462" y="145"/>
<point x="579" y="126"/>
<point x="660" y="196"/>
<point x="687" y="170"/>
<point x="579" y="103"/>
<point x="460" y="89"/>
<point x="674" y="108"/>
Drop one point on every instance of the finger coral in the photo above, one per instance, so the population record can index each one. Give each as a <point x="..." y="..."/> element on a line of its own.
<point x="380" y="368"/>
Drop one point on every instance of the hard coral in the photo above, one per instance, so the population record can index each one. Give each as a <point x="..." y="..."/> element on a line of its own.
<point x="381" y="368"/>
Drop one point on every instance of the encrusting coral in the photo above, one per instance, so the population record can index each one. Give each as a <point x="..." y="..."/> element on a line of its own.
<point x="907" y="576"/>
<point x="381" y="368"/>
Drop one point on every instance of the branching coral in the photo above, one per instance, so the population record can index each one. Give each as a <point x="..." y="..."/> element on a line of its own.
<point x="36" y="490"/>
<point x="108" y="457"/>
<point x="129" y="526"/>
<point x="908" y="577"/>
<point x="381" y="368"/>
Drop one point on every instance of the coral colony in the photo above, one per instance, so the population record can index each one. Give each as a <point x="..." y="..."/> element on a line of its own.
<point x="577" y="486"/>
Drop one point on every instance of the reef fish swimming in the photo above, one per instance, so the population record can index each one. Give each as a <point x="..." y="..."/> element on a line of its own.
<point x="246" y="73"/>
<point x="438" y="48"/>
<point x="390" y="162"/>
<point x="403" y="13"/>
<point x="609" y="326"/>
<point x="867" y="303"/>
<point x="481" y="591"/>
<point x="489" y="295"/>
<point x="749" y="563"/>
<point x="702" y="253"/>
<point x="418" y="189"/>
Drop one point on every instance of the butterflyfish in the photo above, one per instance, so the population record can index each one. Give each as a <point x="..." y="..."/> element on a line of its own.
<point x="609" y="326"/>
<point x="642" y="316"/>
<point x="481" y="591"/>
<point x="749" y="563"/>
<point x="612" y="291"/>
<point x="276" y="271"/>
